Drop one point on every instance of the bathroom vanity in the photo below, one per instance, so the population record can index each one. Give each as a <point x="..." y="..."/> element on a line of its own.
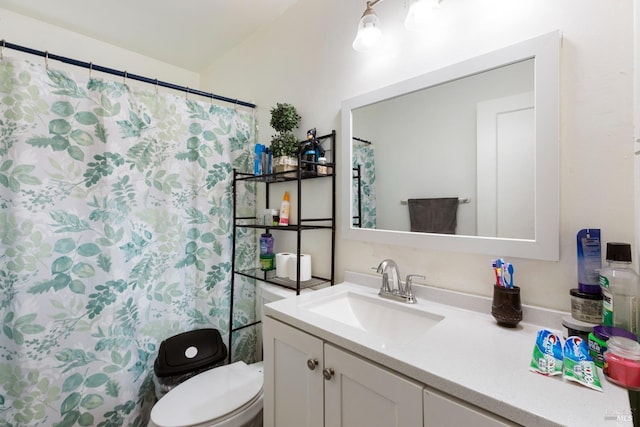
<point x="343" y="356"/>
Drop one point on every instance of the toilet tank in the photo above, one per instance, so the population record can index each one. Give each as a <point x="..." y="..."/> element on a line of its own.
<point x="269" y="293"/>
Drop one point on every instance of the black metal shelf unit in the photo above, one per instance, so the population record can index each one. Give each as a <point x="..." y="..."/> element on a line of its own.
<point x="357" y="176"/>
<point x="302" y="225"/>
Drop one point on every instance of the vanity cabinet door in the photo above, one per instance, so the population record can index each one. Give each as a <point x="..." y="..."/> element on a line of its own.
<point x="444" y="411"/>
<point x="293" y="381"/>
<point x="359" y="393"/>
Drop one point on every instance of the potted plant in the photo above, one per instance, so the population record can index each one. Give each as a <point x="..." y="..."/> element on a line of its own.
<point x="284" y="144"/>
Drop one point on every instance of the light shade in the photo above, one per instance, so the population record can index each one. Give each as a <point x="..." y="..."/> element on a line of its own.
<point x="420" y="14"/>
<point x="369" y="31"/>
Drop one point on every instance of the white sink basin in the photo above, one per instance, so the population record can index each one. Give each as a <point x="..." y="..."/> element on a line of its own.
<point x="390" y="321"/>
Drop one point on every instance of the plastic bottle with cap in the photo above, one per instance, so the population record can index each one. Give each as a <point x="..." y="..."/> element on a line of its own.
<point x="284" y="210"/>
<point x="620" y="289"/>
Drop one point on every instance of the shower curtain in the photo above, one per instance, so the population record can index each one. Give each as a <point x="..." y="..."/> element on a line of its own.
<point x="364" y="155"/>
<point x="115" y="233"/>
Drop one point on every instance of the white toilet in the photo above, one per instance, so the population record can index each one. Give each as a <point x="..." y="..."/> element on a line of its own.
<point x="226" y="396"/>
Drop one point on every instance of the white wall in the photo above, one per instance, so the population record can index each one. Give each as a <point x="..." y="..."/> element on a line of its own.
<point x="28" y="32"/>
<point x="306" y="58"/>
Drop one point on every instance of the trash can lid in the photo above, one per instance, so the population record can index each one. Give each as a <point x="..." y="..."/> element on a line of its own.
<point x="189" y="351"/>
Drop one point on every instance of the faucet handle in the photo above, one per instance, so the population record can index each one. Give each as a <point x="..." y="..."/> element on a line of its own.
<point x="410" y="277"/>
<point x="407" y="286"/>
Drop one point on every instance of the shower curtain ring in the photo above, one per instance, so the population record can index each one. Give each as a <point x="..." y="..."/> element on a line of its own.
<point x="4" y="43"/>
<point x="90" y="69"/>
<point x="156" y="86"/>
<point x="124" y="78"/>
<point x="46" y="59"/>
<point x="186" y="95"/>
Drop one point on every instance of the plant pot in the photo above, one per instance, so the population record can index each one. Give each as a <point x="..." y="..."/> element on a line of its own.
<point x="286" y="164"/>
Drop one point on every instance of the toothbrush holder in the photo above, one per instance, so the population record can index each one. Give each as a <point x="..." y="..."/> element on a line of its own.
<point x="506" y="307"/>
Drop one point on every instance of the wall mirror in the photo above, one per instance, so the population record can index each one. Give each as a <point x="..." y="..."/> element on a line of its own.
<point x="464" y="158"/>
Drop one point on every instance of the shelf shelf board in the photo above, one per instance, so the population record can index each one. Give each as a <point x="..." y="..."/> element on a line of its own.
<point x="276" y="177"/>
<point x="293" y="227"/>
<point x="270" y="277"/>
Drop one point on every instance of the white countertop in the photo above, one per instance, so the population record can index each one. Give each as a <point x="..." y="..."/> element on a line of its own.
<point x="470" y="357"/>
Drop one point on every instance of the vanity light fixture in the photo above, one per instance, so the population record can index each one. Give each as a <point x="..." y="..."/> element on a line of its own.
<point x="369" y="28"/>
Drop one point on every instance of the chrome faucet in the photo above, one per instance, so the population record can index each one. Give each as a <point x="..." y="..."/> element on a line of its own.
<point x="396" y="291"/>
<point x="395" y="274"/>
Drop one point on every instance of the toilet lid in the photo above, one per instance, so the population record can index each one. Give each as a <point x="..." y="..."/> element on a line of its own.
<point x="207" y="396"/>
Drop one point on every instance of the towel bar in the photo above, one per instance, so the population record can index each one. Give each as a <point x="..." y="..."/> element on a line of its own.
<point x="462" y="200"/>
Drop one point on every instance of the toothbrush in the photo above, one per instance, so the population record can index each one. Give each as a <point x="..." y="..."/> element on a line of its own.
<point x="510" y="270"/>
<point x="499" y="265"/>
<point x="496" y="272"/>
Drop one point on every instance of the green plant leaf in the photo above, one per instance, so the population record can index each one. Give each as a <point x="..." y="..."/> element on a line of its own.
<point x="88" y="249"/>
<point x="86" y="118"/>
<point x="86" y="420"/>
<point x="209" y="136"/>
<point x="32" y="329"/>
<point x="76" y="153"/>
<point x="6" y="165"/>
<point x="193" y="143"/>
<point x="208" y="237"/>
<point x="59" y="143"/>
<point x="101" y="132"/>
<point x="92" y="401"/>
<point x="62" y="108"/>
<point x="191" y="248"/>
<point x="195" y="128"/>
<point x="27" y="318"/>
<point x="59" y="282"/>
<point x="82" y="137"/>
<point x="9" y="317"/>
<point x="72" y="383"/>
<point x="61" y="265"/>
<point x="59" y="127"/>
<point x="193" y="233"/>
<point x="77" y="287"/>
<point x="39" y="141"/>
<point x="64" y="246"/>
<point x="104" y="262"/>
<point x="96" y="380"/>
<point x="83" y="270"/>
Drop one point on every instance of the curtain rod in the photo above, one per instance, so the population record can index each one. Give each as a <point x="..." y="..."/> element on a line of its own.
<point x="124" y="74"/>
<point x="361" y="140"/>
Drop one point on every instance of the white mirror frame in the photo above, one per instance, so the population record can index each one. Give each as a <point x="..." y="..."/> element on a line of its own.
<point x="545" y="50"/>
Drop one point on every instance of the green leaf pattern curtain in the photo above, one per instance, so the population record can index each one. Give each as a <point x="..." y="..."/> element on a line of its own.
<point x="364" y="155"/>
<point x="115" y="233"/>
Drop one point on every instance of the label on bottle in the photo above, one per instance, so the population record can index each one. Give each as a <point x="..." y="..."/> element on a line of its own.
<point x="607" y="301"/>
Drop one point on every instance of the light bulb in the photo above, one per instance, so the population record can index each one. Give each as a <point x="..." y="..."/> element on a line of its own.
<point x="369" y="31"/>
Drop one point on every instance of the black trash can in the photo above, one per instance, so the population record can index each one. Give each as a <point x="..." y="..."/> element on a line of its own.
<point x="187" y="354"/>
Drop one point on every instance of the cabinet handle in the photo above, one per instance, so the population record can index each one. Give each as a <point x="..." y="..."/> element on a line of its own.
<point x="312" y="363"/>
<point x="328" y="373"/>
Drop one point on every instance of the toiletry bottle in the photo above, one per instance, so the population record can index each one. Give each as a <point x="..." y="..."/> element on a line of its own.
<point x="620" y="289"/>
<point x="589" y="260"/>
<point x="266" y="244"/>
<point x="284" y="210"/>
<point x="257" y="163"/>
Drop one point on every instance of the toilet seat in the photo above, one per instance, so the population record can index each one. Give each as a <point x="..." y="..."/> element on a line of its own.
<point x="211" y="396"/>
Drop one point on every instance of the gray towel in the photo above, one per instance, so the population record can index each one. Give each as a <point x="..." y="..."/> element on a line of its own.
<point x="434" y="215"/>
